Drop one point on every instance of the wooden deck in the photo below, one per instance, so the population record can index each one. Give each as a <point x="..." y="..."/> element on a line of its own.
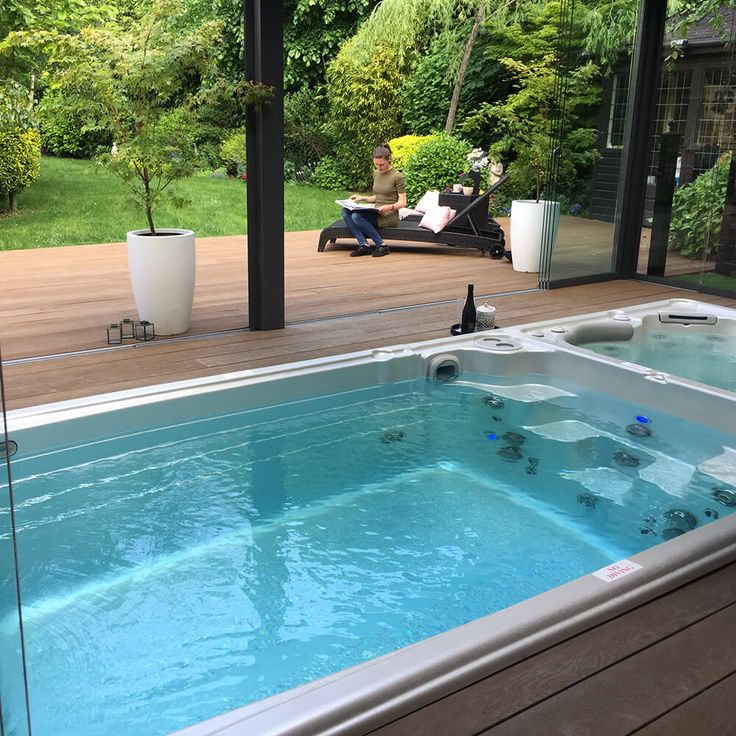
<point x="59" y="300"/>
<point x="667" y="667"/>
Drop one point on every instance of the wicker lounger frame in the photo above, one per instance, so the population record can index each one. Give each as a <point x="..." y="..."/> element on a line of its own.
<point x="489" y="240"/>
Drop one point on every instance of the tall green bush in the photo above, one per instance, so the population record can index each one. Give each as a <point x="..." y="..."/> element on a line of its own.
<point x="305" y="141"/>
<point x="20" y="161"/>
<point x="697" y="212"/>
<point x="435" y="164"/>
<point x="68" y="126"/>
<point x="363" y="109"/>
<point x="328" y="175"/>
<point x="232" y="153"/>
<point x="20" y="143"/>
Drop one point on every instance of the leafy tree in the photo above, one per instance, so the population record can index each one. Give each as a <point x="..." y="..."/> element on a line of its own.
<point x="146" y="79"/>
<point x="314" y="30"/>
<point x="522" y="126"/>
<point x="427" y="88"/>
<point x="364" y="80"/>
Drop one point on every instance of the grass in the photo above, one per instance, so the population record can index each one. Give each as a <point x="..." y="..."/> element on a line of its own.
<point x="708" y="279"/>
<point x="75" y="202"/>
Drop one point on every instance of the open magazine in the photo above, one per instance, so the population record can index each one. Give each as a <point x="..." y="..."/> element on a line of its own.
<point x="350" y="204"/>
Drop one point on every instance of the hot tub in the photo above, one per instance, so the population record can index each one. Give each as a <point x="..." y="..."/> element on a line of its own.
<point x="325" y="546"/>
<point x="677" y="338"/>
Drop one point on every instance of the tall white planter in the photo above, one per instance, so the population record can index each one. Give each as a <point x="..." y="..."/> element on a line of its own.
<point x="526" y="229"/>
<point x="162" y="276"/>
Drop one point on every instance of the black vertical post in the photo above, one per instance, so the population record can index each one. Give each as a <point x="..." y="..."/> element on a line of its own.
<point x="640" y="114"/>
<point x="264" y="48"/>
<point x="669" y="150"/>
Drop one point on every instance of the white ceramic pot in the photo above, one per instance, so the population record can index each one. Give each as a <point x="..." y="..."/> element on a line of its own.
<point x="467" y="191"/>
<point x="527" y="230"/>
<point x="162" y="276"/>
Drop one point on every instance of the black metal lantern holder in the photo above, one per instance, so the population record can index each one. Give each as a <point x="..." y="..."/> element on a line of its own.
<point x="127" y="328"/>
<point x="114" y="334"/>
<point x="144" y="331"/>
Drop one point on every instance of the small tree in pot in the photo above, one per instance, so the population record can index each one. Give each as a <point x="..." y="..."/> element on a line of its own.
<point x="524" y="125"/>
<point x="148" y="77"/>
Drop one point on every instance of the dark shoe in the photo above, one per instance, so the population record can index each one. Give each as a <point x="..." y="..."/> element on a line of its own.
<point x="380" y="250"/>
<point x="362" y="250"/>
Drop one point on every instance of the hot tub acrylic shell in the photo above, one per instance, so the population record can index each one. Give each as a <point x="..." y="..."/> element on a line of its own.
<point x="378" y="691"/>
<point x="621" y="325"/>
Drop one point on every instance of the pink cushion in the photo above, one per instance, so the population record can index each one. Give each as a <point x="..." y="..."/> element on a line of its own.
<point x="437" y="218"/>
<point x="428" y="201"/>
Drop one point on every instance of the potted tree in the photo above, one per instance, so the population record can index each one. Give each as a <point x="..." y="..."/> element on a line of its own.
<point x="149" y="77"/>
<point x="525" y="141"/>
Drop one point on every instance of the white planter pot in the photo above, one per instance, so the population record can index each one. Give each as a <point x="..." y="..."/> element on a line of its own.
<point x="526" y="231"/>
<point x="467" y="191"/>
<point x="162" y="276"/>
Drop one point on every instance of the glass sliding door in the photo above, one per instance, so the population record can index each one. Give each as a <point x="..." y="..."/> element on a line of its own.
<point x="14" y="714"/>
<point x="586" y="153"/>
<point x="687" y="235"/>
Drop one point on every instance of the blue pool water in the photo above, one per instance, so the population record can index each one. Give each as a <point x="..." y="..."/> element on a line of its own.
<point x="194" y="569"/>
<point x="694" y="352"/>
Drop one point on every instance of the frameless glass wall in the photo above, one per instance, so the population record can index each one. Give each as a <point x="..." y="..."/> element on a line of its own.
<point x="587" y="145"/>
<point x="14" y="715"/>
<point x="688" y="234"/>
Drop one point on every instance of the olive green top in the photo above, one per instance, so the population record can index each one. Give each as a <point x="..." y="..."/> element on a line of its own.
<point x="387" y="186"/>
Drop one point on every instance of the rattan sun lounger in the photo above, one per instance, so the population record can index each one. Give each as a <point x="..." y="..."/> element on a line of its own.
<point x="470" y="228"/>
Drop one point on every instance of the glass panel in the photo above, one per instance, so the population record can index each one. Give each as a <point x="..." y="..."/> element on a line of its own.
<point x="687" y="233"/>
<point x="587" y="148"/>
<point x="14" y="716"/>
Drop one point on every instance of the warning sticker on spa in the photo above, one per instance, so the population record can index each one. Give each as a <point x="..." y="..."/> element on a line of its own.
<point x="617" y="570"/>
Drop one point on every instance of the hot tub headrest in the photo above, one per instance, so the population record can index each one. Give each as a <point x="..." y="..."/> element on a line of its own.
<point x="600" y="331"/>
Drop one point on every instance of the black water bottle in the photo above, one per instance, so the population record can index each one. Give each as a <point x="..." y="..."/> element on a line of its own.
<point x="467" y="321"/>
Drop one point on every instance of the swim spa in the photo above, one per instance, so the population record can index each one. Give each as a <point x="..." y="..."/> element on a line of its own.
<point x="373" y="530"/>
<point x="680" y="338"/>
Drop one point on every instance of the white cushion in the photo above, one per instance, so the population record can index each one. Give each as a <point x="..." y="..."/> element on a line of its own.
<point x="437" y="218"/>
<point x="428" y="201"/>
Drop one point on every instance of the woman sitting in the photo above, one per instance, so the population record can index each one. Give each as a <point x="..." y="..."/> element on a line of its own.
<point x="389" y="196"/>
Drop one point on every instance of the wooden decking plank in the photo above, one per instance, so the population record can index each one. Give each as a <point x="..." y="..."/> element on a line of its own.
<point x="710" y="713"/>
<point x="623" y="697"/>
<point x="100" y="372"/>
<point x="500" y="696"/>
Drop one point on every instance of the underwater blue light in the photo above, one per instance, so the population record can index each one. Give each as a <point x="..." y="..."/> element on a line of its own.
<point x="492" y="436"/>
<point x="642" y="419"/>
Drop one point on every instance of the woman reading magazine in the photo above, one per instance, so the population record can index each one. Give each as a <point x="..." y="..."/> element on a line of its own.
<point x="389" y="196"/>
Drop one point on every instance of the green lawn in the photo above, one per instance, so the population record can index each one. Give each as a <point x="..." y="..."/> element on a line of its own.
<point x="710" y="279"/>
<point x="75" y="202"/>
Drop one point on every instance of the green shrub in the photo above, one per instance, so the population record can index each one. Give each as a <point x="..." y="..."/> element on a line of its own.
<point x="364" y="109"/>
<point x="305" y="141"/>
<point x="20" y="161"/>
<point x="435" y="164"/>
<point x="232" y="153"/>
<point x="697" y="211"/>
<point x="328" y="175"/>
<point x="405" y="146"/>
<point x="67" y="125"/>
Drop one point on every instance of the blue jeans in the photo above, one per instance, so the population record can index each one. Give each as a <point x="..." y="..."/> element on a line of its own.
<point x="363" y="224"/>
